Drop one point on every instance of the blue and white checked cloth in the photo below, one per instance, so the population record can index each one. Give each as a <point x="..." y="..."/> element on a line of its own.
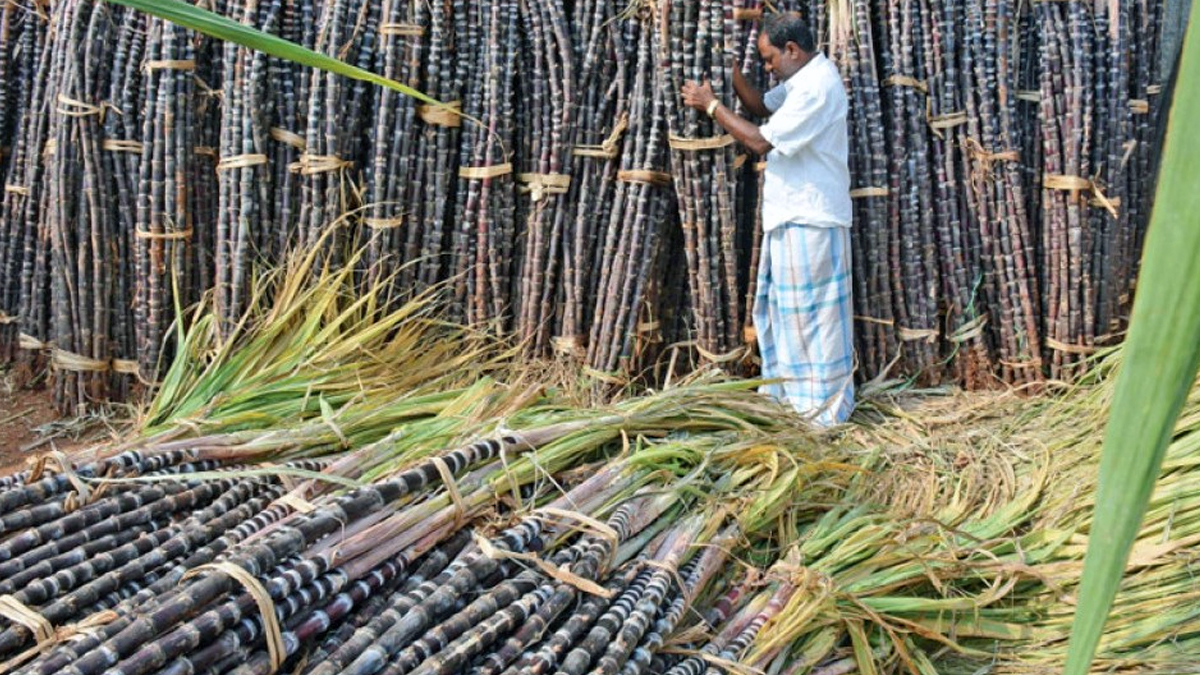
<point x="804" y="320"/>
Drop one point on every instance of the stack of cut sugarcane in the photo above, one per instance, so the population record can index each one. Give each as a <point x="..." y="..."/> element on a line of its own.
<point x="1001" y="160"/>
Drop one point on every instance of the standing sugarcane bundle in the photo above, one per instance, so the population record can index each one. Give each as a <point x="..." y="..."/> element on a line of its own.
<point x="22" y="255"/>
<point x="483" y="241"/>
<point x="995" y="194"/>
<point x="693" y="46"/>
<point x="1067" y="232"/>
<point x="1146" y="84"/>
<point x="912" y="241"/>
<point x="77" y="219"/>
<point x="394" y="240"/>
<point x="632" y="255"/>
<point x="430" y="194"/>
<point x="851" y="46"/>
<point x="337" y="115"/>
<point x="244" y="225"/>
<point x="121" y="167"/>
<point x="543" y="162"/>
<point x="604" y="49"/>
<point x="1115" y="107"/>
<point x="958" y="240"/>
<point x="163" y="238"/>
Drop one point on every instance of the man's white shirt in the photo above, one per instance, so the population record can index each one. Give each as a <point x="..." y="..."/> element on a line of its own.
<point x="807" y="179"/>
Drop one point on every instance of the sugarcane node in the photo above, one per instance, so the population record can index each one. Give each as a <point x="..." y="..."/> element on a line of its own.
<point x="699" y="144"/>
<point x="272" y="632"/>
<point x="448" y="115"/>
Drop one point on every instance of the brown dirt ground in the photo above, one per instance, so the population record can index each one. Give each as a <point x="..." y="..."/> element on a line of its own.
<point x="29" y="425"/>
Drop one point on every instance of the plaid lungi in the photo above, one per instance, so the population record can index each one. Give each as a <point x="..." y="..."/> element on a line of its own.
<point x="804" y="320"/>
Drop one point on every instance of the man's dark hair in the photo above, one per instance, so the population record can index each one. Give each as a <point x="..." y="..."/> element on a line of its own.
<point x="784" y="27"/>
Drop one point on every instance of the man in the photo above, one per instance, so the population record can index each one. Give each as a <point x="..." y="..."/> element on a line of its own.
<point x="802" y="311"/>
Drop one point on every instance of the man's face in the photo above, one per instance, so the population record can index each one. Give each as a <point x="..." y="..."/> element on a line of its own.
<point x="782" y="62"/>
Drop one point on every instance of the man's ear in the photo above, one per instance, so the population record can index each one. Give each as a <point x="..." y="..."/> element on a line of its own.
<point x="793" y="50"/>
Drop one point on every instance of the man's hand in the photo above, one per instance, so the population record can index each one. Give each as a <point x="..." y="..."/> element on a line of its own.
<point x="698" y="96"/>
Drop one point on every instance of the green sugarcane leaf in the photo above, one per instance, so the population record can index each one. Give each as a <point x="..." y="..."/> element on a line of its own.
<point x="1161" y="357"/>
<point x="216" y="26"/>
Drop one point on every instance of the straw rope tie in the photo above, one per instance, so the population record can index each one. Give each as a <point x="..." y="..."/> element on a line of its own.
<point x="947" y="121"/>
<point x="76" y="108"/>
<point x="309" y="165"/>
<point x="929" y="335"/>
<point x="19" y="613"/>
<point x="1067" y="348"/>
<point x="859" y="193"/>
<point x="542" y="185"/>
<point x="760" y="167"/>
<point x="170" y="64"/>
<point x="906" y="81"/>
<point x="608" y="148"/>
<point x="484" y="172"/>
<point x="460" y="507"/>
<point x="205" y="151"/>
<point x="969" y="330"/>
<point x="556" y="573"/>
<point x="177" y="235"/>
<point x="296" y="503"/>
<point x="120" y="145"/>
<point x="406" y="29"/>
<point x="27" y="341"/>
<point x="699" y="144"/>
<point x="1030" y="95"/>
<point x="241" y="161"/>
<point x="1053" y="181"/>
<point x="50" y="148"/>
<point x="384" y="223"/>
<point x="1154" y="90"/>
<point x="6" y="319"/>
<point x="90" y="624"/>
<point x="747" y="14"/>
<point x="266" y="607"/>
<point x="289" y="138"/>
<point x="16" y="190"/>
<point x="644" y="176"/>
<point x="66" y="469"/>
<point x="1139" y="106"/>
<point x="588" y="523"/>
<point x="740" y="160"/>
<point x="447" y="114"/>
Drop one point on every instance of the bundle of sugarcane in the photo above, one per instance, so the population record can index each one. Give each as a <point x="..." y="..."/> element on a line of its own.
<point x="1068" y="114"/>
<point x="912" y="245"/>
<point x="692" y="45"/>
<point x="163" y="239"/>
<point x="483" y="242"/>
<point x="76" y="207"/>
<point x="958" y="241"/>
<point x="605" y="45"/>
<point x="430" y="200"/>
<point x="851" y="46"/>
<point x="337" y="109"/>
<point x="995" y="197"/>
<point x="26" y="255"/>
<point x="543" y="161"/>
<point x="388" y="188"/>
<point x="634" y="251"/>
<point x="246" y="178"/>
<point x="120" y="170"/>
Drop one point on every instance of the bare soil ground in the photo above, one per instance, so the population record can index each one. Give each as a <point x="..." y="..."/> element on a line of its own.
<point x="29" y="425"/>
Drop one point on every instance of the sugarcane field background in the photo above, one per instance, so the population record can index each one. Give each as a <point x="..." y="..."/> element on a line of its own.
<point x="305" y="376"/>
